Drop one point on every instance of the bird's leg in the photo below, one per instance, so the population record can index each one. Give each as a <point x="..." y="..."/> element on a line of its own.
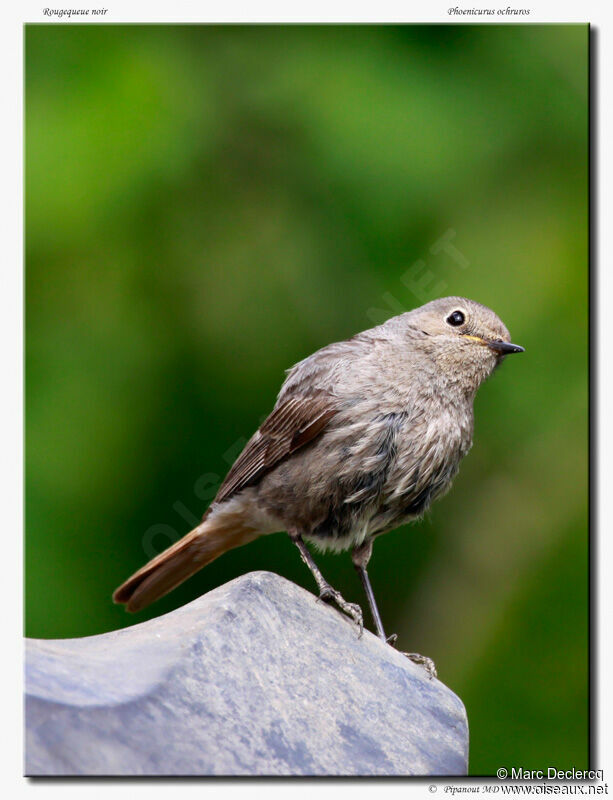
<point x="326" y="592"/>
<point x="360" y="557"/>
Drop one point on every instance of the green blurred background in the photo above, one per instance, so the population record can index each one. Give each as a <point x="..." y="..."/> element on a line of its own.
<point x="205" y="206"/>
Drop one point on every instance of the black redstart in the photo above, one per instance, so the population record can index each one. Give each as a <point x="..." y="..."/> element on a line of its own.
<point x="365" y="434"/>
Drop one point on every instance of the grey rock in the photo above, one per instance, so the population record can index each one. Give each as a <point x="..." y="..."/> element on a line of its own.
<point x="254" y="678"/>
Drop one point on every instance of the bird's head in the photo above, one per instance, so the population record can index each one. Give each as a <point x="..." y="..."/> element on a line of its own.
<point x="465" y="338"/>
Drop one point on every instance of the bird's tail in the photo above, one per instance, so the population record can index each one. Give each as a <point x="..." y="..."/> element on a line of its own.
<point x="214" y="536"/>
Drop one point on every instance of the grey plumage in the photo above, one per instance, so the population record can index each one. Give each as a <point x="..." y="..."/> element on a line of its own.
<point x="364" y="435"/>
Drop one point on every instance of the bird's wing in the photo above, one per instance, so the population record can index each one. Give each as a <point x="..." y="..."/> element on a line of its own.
<point x="293" y="423"/>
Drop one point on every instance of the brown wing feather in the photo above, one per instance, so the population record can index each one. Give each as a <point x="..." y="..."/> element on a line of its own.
<point x="292" y="424"/>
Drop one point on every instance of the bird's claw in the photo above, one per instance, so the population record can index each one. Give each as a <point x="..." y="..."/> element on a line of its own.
<point x="424" y="662"/>
<point x="353" y="610"/>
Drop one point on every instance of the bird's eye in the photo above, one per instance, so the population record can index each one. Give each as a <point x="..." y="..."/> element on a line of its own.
<point x="456" y="318"/>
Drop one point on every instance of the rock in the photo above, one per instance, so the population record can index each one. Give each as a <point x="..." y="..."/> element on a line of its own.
<point x="254" y="678"/>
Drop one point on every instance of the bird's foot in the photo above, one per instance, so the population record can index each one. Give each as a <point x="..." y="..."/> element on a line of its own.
<point x="353" y="610"/>
<point x="424" y="662"/>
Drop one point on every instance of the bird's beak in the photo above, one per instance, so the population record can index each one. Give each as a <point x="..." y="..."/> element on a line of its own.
<point x="497" y="345"/>
<point x="504" y="348"/>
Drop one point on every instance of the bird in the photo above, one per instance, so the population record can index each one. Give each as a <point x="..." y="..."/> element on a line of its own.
<point x="365" y="434"/>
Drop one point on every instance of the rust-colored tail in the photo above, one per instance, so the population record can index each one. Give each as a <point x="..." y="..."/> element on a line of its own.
<point x="180" y="561"/>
